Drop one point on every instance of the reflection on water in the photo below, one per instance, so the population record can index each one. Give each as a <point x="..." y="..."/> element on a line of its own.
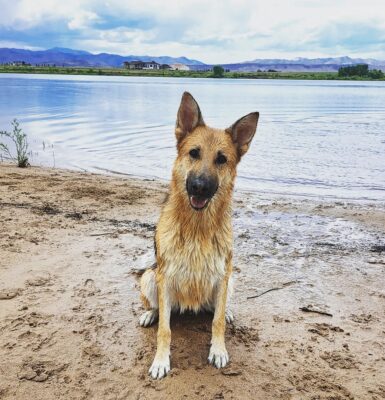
<point x="315" y="138"/>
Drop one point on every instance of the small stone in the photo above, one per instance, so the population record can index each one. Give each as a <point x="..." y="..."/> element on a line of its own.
<point x="41" y="378"/>
<point x="28" y="374"/>
<point x="374" y="260"/>
<point x="7" y="294"/>
<point x="38" y="281"/>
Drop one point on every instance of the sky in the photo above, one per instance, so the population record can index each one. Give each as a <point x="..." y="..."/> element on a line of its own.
<point x="211" y="31"/>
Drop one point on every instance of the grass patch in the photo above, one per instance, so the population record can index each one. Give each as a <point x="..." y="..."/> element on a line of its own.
<point x="19" y="139"/>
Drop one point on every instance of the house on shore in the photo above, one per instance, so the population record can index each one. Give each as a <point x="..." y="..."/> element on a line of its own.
<point x="151" y="65"/>
<point x="137" y="64"/>
<point x="134" y="64"/>
<point x="19" y="64"/>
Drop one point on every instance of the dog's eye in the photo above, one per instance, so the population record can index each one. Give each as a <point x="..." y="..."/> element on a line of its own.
<point x="194" y="153"/>
<point x="221" y="159"/>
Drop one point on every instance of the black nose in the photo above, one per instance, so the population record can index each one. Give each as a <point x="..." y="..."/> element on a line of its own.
<point x="202" y="185"/>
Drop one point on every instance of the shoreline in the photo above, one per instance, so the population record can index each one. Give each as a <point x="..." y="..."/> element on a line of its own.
<point x="69" y="243"/>
<point x="95" y="71"/>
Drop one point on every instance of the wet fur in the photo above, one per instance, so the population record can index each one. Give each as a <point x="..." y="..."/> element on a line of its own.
<point x="194" y="248"/>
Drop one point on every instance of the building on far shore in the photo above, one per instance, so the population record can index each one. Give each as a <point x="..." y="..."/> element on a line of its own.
<point x="137" y="64"/>
<point x="151" y="65"/>
<point x="179" y="67"/>
<point x="19" y="64"/>
<point x="134" y="64"/>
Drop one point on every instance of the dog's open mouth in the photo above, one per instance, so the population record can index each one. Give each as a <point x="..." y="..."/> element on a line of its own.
<point x="198" y="202"/>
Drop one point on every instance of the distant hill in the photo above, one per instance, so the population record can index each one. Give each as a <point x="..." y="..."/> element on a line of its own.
<point x="314" y="61"/>
<point x="79" y="58"/>
<point x="329" y="64"/>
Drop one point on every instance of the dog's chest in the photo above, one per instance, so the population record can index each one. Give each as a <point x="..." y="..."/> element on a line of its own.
<point x="193" y="273"/>
<point x="194" y="264"/>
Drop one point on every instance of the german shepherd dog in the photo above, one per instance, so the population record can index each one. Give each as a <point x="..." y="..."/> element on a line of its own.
<point x="193" y="239"/>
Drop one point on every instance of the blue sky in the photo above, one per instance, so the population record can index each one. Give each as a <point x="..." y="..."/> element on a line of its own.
<point x="211" y="31"/>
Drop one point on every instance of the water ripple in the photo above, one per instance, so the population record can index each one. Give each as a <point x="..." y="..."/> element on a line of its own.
<point x="315" y="138"/>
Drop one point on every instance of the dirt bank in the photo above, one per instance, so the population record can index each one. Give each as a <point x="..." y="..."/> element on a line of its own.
<point x="69" y="303"/>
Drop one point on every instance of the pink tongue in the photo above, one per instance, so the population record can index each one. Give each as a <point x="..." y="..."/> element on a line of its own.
<point x="198" y="203"/>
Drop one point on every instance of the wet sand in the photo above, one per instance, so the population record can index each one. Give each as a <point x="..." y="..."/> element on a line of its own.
<point x="69" y="300"/>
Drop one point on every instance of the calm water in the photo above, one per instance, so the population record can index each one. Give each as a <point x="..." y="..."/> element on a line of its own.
<point x="315" y="138"/>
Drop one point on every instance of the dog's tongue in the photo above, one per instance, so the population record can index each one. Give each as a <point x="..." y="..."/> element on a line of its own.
<point x="198" y="202"/>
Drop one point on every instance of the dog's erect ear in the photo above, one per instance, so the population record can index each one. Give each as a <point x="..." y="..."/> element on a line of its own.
<point x="242" y="132"/>
<point x="189" y="116"/>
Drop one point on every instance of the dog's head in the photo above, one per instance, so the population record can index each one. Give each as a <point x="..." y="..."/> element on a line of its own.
<point x="207" y="158"/>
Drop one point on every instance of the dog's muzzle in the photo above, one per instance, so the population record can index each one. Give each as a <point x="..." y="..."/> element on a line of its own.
<point x="200" y="190"/>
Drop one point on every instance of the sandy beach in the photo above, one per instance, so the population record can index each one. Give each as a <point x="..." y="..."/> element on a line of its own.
<point x="309" y="299"/>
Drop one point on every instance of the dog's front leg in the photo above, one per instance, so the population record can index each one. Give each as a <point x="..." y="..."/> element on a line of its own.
<point x="218" y="354"/>
<point x="161" y="364"/>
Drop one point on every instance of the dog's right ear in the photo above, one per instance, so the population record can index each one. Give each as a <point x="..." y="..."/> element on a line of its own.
<point x="188" y="118"/>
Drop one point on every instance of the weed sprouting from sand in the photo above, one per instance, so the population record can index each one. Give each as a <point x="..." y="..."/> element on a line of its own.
<point x="19" y="138"/>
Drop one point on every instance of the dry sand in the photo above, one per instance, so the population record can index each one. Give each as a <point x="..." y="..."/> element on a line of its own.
<point x="69" y="301"/>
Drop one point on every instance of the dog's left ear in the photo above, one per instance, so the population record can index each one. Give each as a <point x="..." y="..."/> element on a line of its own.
<point x="242" y="132"/>
<point x="189" y="117"/>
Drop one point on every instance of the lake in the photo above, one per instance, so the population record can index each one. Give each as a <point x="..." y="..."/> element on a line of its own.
<point x="315" y="138"/>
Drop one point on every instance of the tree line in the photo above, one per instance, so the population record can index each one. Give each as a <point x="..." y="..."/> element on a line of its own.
<point x="361" y="70"/>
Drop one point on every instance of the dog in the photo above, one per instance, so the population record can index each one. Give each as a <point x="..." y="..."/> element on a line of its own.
<point x="193" y="238"/>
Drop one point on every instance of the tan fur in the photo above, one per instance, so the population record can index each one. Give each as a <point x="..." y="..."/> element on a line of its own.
<point x="145" y="301"/>
<point x="194" y="248"/>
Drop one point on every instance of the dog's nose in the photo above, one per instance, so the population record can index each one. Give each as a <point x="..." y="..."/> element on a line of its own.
<point x="200" y="186"/>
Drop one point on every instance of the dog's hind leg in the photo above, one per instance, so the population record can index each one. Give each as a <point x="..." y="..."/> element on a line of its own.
<point x="229" y="316"/>
<point x="149" y="295"/>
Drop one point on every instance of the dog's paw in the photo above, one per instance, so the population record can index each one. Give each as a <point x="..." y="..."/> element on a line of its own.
<point x="218" y="356"/>
<point x="148" y="318"/>
<point x="229" y="316"/>
<point x="160" y="368"/>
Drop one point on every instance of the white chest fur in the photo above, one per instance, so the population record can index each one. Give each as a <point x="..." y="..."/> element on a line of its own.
<point x="192" y="275"/>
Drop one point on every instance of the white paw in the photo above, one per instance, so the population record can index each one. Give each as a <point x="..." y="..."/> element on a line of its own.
<point x="218" y="356"/>
<point x="160" y="367"/>
<point x="229" y="316"/>
<point x="148" y="318"/>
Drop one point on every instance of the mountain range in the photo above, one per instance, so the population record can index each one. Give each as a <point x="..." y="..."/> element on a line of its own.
<point x="79" y="58"/>
<point x="69" y="57"/>
<point x="327" y="64"/>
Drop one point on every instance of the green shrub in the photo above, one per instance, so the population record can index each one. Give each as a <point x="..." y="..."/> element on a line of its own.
<point x="376" y="74"/>
<point x="19" y="138"/>
<point x="354" y="70"/>
<point x="218" y="71"/>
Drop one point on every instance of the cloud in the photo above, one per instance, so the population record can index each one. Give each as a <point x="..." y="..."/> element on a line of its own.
<point x="83" y="20"/>
<point x="212" y="31"/>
